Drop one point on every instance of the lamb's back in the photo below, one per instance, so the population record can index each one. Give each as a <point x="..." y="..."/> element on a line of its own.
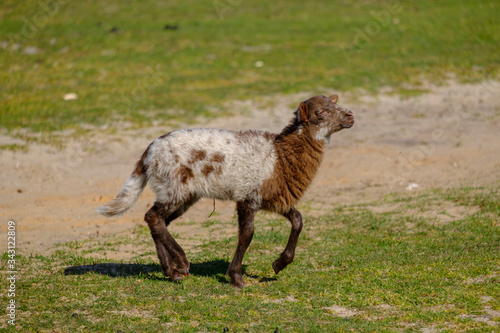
<point x="211" y="163"/>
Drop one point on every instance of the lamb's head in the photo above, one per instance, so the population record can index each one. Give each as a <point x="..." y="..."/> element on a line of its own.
<point x="323" y="116"/>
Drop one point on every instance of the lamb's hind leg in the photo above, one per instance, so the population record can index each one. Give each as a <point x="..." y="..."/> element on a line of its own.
<point x="288" y="254"/>
<point x="172" y="257"/>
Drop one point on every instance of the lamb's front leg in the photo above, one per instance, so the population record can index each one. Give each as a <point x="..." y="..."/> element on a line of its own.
<point x="288" y="254"/>
<point x="246" y="215"/>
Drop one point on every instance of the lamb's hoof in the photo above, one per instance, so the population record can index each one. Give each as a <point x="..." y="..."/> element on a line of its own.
<point x="179" y="274"/>
<point x="176" y="277"/>
<point x="277" y="267"/>
<point x="238" y="285"/>
<point x="184" y="272"/>
<point x="237" y="281"/>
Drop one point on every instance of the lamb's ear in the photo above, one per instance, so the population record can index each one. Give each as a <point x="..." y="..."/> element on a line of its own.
<point x="303" y="112"/>
<point x="334" y="98"/>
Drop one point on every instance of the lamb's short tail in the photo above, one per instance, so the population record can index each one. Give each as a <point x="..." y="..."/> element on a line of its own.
<point x="129" y="194"/>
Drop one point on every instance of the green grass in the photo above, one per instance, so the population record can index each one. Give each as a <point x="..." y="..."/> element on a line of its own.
<point x="143" y="73"/>
<point x="394" y="271"/>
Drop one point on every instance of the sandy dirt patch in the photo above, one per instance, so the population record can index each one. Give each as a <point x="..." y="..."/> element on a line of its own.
<point x="447" y="138"/>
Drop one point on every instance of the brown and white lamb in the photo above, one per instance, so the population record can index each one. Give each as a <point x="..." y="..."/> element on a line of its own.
<point x="257" y="169"/>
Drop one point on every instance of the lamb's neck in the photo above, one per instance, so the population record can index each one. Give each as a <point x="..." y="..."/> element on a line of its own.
<point x="301" y="155"/>
<point x="298" y="158"/>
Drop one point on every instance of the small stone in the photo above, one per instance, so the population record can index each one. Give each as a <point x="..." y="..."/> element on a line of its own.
<point x="31" y="50"/>
<point x="70" y="96"/>
<point x="412" y="186"/>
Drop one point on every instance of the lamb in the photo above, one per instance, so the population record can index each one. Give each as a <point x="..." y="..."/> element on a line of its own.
<point x="256" y="169"/>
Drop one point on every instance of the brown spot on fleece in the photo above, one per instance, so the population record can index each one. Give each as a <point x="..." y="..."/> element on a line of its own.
<point x="207" y="169"/>
<point x="185" y="173"/>
<point x="140" y="167"/>
<point x="197" y="155"/>
<point x="217" y="158"/>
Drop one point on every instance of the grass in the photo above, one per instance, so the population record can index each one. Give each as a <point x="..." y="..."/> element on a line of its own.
<point x="126" y="67"/>
<point x="427" y="261"/>
<point x="356" y="270"/>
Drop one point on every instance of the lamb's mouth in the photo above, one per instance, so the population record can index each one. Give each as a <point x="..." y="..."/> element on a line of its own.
<point x="349" y="120"/>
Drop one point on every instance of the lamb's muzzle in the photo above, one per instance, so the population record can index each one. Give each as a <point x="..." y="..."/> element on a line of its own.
<point x="256" y="169"/>
<point x="348" y="120"/>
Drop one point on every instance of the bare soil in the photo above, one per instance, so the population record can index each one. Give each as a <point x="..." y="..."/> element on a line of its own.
<point x="449" y="137"/>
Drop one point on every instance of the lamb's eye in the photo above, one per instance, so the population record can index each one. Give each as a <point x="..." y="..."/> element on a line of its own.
<point x="321" y="113"/>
